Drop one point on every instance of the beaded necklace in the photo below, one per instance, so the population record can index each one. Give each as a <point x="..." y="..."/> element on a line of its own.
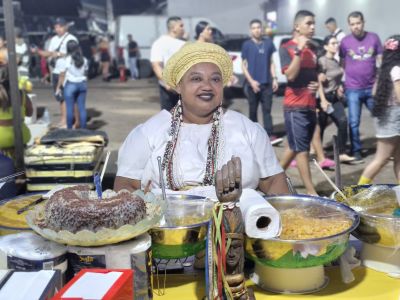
<point x="212" y="151"/>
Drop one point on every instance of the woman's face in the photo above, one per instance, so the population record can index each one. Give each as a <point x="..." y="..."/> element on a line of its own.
<point x="332" y="46"/>
<point x="2" y="43"/>
<point x="201" y="90"/>
<point x="207" y="34"/>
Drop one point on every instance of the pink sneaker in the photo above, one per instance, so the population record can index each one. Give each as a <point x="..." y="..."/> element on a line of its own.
<point x="327" y="163"/>
<point x="293" y="164"/>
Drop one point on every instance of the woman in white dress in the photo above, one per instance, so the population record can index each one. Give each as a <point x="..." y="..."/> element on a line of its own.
<point x="197" y="136"/>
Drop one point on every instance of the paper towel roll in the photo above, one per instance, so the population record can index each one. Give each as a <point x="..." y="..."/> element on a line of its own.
<point x="29" y="251"/>
<point x="134" y="254"/>
<point x="261" y="219"/>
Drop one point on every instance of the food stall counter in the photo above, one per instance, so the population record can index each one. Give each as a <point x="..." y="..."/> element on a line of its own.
<point x="368" y="284"/>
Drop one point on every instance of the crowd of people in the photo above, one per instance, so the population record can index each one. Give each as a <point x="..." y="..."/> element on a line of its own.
<point x="323" y="87"/>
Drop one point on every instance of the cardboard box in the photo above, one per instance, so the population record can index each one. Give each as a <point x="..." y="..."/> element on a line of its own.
<point x="99" y="284"/>
<point x="33" y="285"/>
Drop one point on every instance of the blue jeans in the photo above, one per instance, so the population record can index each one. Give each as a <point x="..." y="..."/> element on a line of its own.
<point x="264" y="96"/>
<point x="355" y="98"/>
<point x="75" y="92"/>
<point x="133" y="67"/>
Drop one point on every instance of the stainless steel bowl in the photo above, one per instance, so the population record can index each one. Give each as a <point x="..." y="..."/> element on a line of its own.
<point x="185" y="230"/>
<point x="374" y="229"/>
<point x="281" y="253"/>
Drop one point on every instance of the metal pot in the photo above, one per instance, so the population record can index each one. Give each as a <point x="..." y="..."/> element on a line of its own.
<point x="281" y="253"/>
<point x="185" y="230"/>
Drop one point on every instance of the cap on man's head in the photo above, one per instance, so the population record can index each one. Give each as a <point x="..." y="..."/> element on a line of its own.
<point x="60" y="21"/>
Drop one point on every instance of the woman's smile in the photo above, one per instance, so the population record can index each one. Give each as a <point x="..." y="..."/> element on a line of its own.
<point x="206" y="96"/>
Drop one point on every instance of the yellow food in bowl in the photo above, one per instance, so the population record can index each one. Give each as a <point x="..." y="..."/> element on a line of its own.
<point x="8" y="212"/>
<point x="296" y="225"/>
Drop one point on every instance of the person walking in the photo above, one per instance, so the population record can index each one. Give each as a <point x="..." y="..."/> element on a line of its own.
<point x="161" y="50"/>
<point x="56" y="52"/>
<point x="133" y="53"/>
<point x="73" y="77"/>
<point x="387" y="113"/>
<point x="331" y="96"/>
<point x="298" y="60"/>
<point x="203" y="32"/>
<point x="105" y="58"/>
<point x="360" y="52"/>
<point x="261" y="81"/>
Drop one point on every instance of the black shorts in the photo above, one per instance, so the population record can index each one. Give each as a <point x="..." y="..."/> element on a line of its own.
<point x="104" y="56"/>
<point x="54" y="82"/>
<point x="300" y="126"/>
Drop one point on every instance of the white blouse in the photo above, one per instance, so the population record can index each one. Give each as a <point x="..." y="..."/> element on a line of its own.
<point x="137" y="158"/>
<point x="395" y="75"/>
<point x="72" y="73"/>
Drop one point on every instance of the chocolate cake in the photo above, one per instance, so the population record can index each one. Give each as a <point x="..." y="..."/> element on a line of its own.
<point x="75" y="209"/>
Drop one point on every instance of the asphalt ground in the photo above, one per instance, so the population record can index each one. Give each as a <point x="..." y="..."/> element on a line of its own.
<point x="117" y="107"/>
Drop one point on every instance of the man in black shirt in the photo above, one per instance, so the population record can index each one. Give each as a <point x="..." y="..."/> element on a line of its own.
<point x="133" y="53"/>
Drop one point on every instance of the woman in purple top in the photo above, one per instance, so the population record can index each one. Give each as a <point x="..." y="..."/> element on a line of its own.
<point x="387" y="113"/>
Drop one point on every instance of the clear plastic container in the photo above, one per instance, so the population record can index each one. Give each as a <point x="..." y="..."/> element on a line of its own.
<point x="377" y="225"/>
<point x="316" y="233"/>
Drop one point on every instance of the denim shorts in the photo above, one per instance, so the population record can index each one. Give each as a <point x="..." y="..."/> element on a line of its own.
<point x="300" y="126"/>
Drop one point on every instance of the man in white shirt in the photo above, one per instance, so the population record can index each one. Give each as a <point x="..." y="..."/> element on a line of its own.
<point x="335" y="31"/>
<point x="161" y="50"/>
<point x="21" y="50"/>
<point x="57" y="51"/>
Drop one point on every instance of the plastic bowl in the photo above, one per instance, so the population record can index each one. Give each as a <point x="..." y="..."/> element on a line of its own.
<point x="374" y="229"/>
<point x="303" y="253"/>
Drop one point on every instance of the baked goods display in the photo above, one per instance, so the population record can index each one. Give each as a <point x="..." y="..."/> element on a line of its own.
<point x="75" y="209"/>
<point x="76" y="216"/>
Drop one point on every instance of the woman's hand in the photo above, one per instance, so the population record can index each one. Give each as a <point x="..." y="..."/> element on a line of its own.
<point x="232" y="81"/>
<point x="340" y="92"/>
<point x="322" y="77"/>
<point x="324" y="104"/>
<point x="58" y="91"/>
<point x="313" y="86"/>
<point x="228" y="181"/>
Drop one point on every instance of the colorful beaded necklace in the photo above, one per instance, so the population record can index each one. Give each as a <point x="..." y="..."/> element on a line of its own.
<point x="212" y="151"/>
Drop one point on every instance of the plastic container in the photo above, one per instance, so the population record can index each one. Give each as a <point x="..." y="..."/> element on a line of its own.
<point x="303" y="255"/>
<point x="378" y="229"/>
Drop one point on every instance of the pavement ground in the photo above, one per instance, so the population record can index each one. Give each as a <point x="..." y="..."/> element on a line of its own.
<point x="117" y="107"/>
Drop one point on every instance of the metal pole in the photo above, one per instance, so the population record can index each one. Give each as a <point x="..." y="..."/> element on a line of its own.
<point x="338" y="172"/>
<point x="14" y="91"/>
